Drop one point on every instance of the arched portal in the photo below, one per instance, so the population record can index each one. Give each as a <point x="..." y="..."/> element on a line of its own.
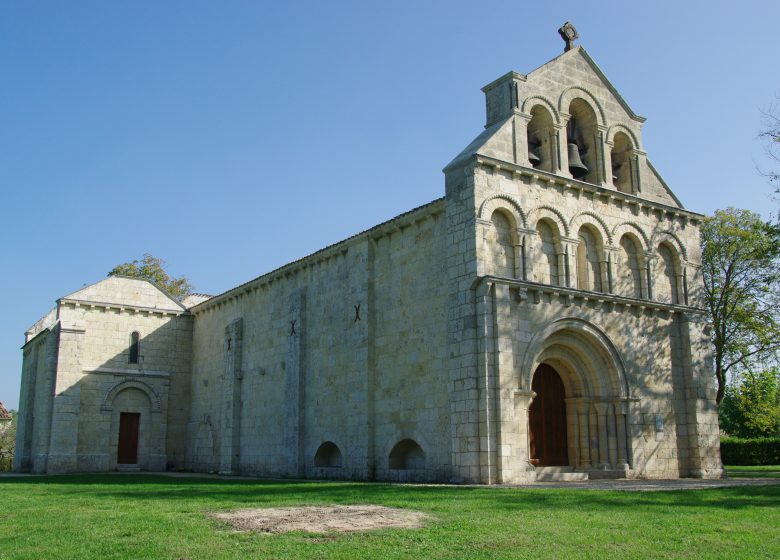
<point x="581" y="401"/>
<point x="547" y="432"/>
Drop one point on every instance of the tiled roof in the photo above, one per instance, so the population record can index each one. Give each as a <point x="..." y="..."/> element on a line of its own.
<point x="4" y="414"/>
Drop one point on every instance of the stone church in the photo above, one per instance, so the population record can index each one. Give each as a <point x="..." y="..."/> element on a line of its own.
<point x="542" y="321"/>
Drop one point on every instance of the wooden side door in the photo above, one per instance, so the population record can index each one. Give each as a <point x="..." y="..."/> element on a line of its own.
<point x="127" y="450"/>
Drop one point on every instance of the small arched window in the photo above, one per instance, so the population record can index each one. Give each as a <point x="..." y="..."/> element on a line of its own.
<point x="629" y="273"/>
<point x="549" y="244"/>
<point x="666" y="275"/>
<point x="581" y="134"/>
<point x="589" y="259"/>
<point x="328" y="455"/>
<point x="499" y="245"/>
<point x="407" y="454"/>
<point x="541" y="139"/>
<point x="622" y="164"/>
<point x="135" y="347"/>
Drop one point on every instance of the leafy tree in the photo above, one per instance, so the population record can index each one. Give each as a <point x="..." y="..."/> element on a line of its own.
<point x="153" y="269"/>
<point x="751" y="406"/>
<point x="741" y="287"/>
<point x="8" y="442"/>
<point x="771" y="136"/>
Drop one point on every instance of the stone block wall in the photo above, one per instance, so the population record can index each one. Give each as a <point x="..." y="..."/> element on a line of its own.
<point x="344" y="347"/>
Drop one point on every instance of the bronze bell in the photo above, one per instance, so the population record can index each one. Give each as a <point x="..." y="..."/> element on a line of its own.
<point x="576" y="167"/>
<point x="533" y="157"/>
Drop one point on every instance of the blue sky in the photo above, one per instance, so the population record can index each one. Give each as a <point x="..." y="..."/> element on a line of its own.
<point x="229" y="138"/>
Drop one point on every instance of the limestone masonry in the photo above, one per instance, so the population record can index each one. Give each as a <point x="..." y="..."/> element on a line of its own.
<point x="543" y="320"/>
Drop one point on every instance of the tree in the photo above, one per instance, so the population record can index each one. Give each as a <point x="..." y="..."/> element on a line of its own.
<point x="751" y="406"/>
<point x="771" y="136"/>
<point x="153" y="269"/>
<point x="741" y="286"/>
<point x="8" y="442"/>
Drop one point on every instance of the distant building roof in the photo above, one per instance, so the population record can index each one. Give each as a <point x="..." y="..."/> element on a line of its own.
<point x="4" y="414"/>
<point x="194" y="299"/>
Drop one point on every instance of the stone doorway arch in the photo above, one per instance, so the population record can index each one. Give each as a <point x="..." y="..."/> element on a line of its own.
<point x="596" y="396"/>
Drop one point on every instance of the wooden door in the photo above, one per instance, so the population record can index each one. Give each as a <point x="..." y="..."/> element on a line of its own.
<point x="547" y="419"/>
<point x="127" y="450"/>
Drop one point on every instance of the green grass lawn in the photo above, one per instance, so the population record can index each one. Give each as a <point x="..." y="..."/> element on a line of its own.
<point x="754" y="471"/>
<point x="150" y="516"/>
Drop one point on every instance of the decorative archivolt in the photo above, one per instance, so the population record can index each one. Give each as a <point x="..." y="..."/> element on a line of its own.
<point x="505" y="203"/>
<point x="571" y="93"/>
<point x="630" y="227"/>
<point x="615" y="128"/>
<point x="594" y="362"/>
<point x="154" y="398"/>
<point x="670" y="239"/>
<point x="581" y="218"/>
<point x="531" y="102"/>
<point x="551" y="213"/>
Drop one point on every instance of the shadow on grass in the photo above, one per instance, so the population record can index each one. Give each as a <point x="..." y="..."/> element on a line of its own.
<point x="259" y="493"/>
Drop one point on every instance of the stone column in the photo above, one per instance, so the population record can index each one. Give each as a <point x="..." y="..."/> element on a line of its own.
<point x="604" y="173"/>
<point x="583" y="412"/>
<point x="524" y="469"/>
<point x="520" y="138"/>
<point x="593" y="435"/>
<point x="608" y="181"/>
<point x="295" y="384"/>
<point x="649" y="265"/>
<point x="621" y="411"/>
<point x="560" y="148"/>
<point x="502" y="383"/>
<point x="612" y="434"/>
<point x="230" y="417"/>
<point x="601" y="411"/>
<point x="526" y="254"/>
<point x="482" y="452"/>
<point x="567" y="268"/>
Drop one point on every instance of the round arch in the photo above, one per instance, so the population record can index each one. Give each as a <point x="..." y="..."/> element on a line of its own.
<point x="631" y="228"/>
<point x="552" y="214"/>
<point x="531" y="102"/>
<point x="502" y="202"/>
<point x="615" y="128"/>
<point x="592" y="219"/>
<point x="672" y="240"/>
<point x="572" y="93"/>
<point x="583" y="354"/>
<point x="154" y="398"/>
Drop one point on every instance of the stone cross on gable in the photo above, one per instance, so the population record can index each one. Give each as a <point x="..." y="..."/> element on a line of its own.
<point x="568" y="34"/>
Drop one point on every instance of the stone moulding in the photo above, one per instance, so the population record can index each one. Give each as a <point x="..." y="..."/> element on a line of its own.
<point x="120" y="307"/>
<point x="574" y="184"/>
<point x="575" y="293"/>
<point x="126" y="372"/>
<point x="432" y="209"/>
<point x="154" y="398"/>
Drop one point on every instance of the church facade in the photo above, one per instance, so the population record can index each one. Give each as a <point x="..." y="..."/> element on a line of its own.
<point x="543" y="320"/>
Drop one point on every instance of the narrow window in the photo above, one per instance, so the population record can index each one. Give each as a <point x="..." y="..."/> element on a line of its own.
<point x="135" y="347"/>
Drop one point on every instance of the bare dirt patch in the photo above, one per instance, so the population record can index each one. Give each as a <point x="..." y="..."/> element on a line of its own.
<point x="321" y="519"/>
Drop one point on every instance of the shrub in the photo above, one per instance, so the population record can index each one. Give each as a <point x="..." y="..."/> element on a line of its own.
<point x="750" y="451"/>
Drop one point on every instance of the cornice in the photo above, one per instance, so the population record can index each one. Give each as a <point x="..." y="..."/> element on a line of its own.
<point x="580" y="186"/>
<point x="584" y="295"/>
<point x="120" y="307"/>
<point x="414" y="216"/>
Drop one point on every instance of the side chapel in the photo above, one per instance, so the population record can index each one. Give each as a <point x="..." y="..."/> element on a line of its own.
<point x="542" y="321"/>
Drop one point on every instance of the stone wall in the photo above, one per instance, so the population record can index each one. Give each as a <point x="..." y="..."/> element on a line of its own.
<point x="345" y="346"/>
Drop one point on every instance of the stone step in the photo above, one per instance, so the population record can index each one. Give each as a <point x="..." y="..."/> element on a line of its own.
<point x="607" y="474"/>
<point x="555" y="469"/>
<point x="559" y="474"/>
<point x="128" y="468"/>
